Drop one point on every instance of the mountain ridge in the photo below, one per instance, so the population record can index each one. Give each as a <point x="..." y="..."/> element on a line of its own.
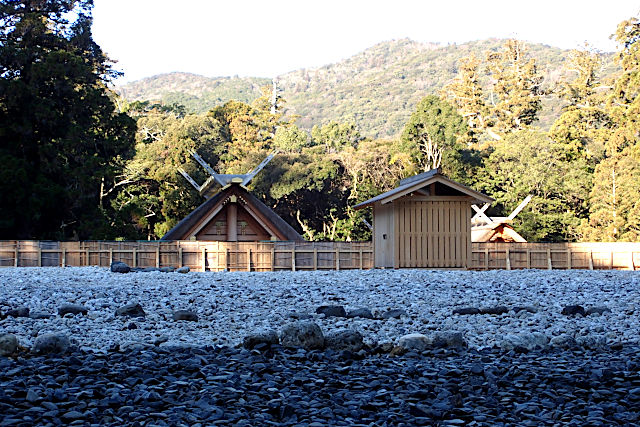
<point x="377" y="88"/>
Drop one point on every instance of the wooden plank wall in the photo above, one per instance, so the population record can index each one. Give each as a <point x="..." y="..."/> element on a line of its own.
<point x="432" y="233"/>
<point x="556" y="256"/>
<point x="197" y="255"/>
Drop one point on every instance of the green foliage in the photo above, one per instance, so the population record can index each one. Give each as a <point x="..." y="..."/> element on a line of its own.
<point x="435" y="125"/>
<point x="515" y="92"/>
<point x="529" y="163"/>
<point x="584" y="124"/>
<point x="62" y="140"/>
<point x="198" y="94"/>
<point x="615" y="198"/>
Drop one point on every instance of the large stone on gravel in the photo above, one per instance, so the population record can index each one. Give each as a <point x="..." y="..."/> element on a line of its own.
<point x="51" y="343"/>
<point x="525" y="308"/>
<point x="8" y="344"/>
<point x="528" y="341"/>
<point x="187" y="315"/>
<point x="72" y="309"/>
<point x="346" y="339"/>
<point x="269" y="337"/>
<point x="563" y="341"/>
<point x="500" y="309"/>
<point x="18" y="312"/>
<point x="573" y="310"/>
<point x="120" y="267"/>
<point x="414" y="342"/>
<point x="332" y="311"/>
<point x="131" y="310"/>
<point x="40" y="315"/>
<point x="396" y="313"/>
<point x="302" y="334"/>
<point x="363" y="312"/>
<point x="449" y="339"/>
<point x="466" y="310"/>
<point x="597" y="310"/>
<point x="183" y="270"/>
<point x="592" y="342"/>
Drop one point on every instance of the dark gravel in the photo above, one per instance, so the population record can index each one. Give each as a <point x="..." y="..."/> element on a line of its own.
<point x="221" y="386"/>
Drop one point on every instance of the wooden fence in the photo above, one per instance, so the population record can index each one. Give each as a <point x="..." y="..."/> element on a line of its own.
<point x="197" y="255"/>
<point x="555" y="256"/>
<point x="273" y="256"/>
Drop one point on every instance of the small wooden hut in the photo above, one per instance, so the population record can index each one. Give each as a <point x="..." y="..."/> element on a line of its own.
<point x="232" y="215"/>
<point x="424" y="223"/>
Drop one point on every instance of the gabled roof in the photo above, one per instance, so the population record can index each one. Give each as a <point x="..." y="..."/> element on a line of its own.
<point x="182" y="230"/>
<point x="414" y="183"/>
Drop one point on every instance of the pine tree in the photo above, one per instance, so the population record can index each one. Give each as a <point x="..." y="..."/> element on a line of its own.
<point x="584" y="123"/>
<point x="466" y="94"/>
<point x="615" y="198"/>
<point x="514" y="98"/>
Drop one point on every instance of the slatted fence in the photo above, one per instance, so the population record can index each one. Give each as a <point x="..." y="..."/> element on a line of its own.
<point x="197" y="255"/>
<point x="556" y="256"/>
<point x="275" y="256"/>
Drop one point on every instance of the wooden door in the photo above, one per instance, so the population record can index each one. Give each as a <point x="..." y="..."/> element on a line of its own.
<point x="432" y="233"/>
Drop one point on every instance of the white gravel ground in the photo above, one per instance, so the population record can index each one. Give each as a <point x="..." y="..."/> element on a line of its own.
<point x="232" y="305"/>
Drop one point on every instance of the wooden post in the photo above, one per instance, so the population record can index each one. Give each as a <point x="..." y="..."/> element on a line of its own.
<point x="110" y="256"/>
<point x="17" y="255"/>
<point x="508" y="259"/>
<point x="611" y="260"/>
<point x="273" y="257"/>
<point x="64" y="257"/>
<point x="39" y="257"/>
<point x="590" y="260"/>
<point x="632" y="265"/>
<point x="315" y="259"/>
<point x="204" y="259"/>
<point x="549" y="264"/>
<point x="86" y="258"/>
<point x="360" y="259"/>
<point x="232" y="222"/>
<point x="293" y="259"/>
<point x="249" y="259"/>
<point x="486" y="258"/>
<point x="180" y="256"/>
<point x="528" y="258"/>
<point x="337" y="259"/>
<point x="226" y="259"/>
<point x="568" y="259"/>
<point x="158" y="256"/>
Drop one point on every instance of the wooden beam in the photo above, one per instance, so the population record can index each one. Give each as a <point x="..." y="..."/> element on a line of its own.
<point x="232" y="222"/>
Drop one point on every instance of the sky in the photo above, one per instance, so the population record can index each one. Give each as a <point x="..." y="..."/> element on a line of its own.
<point x="268" y="38"/>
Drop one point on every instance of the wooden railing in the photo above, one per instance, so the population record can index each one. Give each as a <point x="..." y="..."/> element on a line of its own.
<point x="197" y="255"/>
<point x="274" y="256"/>
<point x="555" y="256"/>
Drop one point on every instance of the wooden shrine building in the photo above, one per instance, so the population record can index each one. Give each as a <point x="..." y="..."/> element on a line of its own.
<point x="232" y="214"/>
<point x="424" y="223"/>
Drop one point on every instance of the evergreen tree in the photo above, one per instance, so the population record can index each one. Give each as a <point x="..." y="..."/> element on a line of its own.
<point x="584" y="123"/>
<point x="615" y="198"/>
<point x="61" y="140"/>
<point x="466" y="94"/>
<point x="431" y="136"/>
<point x="515" y="93"/>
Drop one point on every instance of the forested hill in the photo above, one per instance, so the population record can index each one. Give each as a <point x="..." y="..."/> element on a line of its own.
<point x="377" y="88"/>
<point x="197" y="93"/>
